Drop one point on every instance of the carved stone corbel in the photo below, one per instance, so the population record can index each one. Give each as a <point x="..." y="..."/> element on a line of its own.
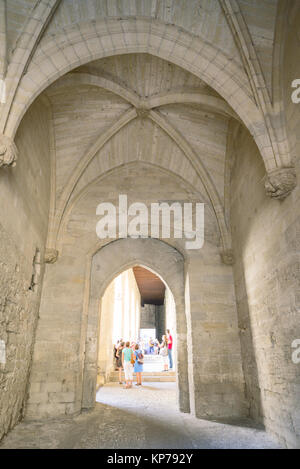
<point x="50" y="256"/>
<point x="280" y="182"/>
<point x="8" y="151"/>
<point x="227" y="257"/>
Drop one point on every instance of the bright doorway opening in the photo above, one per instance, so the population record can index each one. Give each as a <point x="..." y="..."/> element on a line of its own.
<point x="137" y="306"/>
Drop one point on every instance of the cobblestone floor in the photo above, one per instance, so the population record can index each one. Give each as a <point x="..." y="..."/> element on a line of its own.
<point x="142" y="417"/>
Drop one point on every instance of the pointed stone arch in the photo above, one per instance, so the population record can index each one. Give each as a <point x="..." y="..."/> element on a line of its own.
<point x="77" y="46"/>
<point x="105" y="264"/>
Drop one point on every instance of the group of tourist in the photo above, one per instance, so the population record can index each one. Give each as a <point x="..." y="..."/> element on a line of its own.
<point x="153" y="347"/>
<point x="130" y="358"/>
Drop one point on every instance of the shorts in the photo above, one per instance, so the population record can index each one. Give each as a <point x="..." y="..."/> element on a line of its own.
<point x="165" y="360"/>
<point x="128" y="370"/>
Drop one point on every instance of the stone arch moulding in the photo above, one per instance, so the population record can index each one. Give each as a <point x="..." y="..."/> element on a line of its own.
<point x="78" y="45"/>
<point x="199" y="167"/>
<point x="83" y="192"/>
<point x="146" y="104"/>
<point x="103" y="266"/>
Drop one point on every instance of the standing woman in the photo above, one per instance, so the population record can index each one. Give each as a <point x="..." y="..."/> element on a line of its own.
<point x="138" y="364"/>
<point x="127" y="354"/>
<point x="164" y="352"/>
<point x="119" y="360"/>
<point x="115" y="350"/>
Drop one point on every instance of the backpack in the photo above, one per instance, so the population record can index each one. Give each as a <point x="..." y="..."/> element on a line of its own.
<point x="140" y="358"/>
<point x="132" y="359"/>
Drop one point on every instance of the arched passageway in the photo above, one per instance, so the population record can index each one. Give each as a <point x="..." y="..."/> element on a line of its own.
<point x="114" y="258"/>
<point x="137" y="307"/>
<point x="163" y="103"/>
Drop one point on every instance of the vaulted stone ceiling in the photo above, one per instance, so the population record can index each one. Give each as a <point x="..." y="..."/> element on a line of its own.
<point x="132" y="104"/>
<point x="179" y="122"/>
<point x="232" y="45"/>
<point x="83" y="109"/>
<point x="202" y="17"/>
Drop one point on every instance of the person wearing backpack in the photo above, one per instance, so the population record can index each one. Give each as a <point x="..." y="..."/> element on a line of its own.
<point x="138" y="364"/>
<point x="164" y="352"/>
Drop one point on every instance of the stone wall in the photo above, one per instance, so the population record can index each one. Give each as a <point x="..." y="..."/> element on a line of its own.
<point x="153" y="317"/>
<point x="215" y="362"/>
<point x="170" y="312"/>
<point x="160" y="320"/>
<point x="266" y="239"/>
<point x="119" y="319"/>
<point x="105" y="354"/>
<point x="267" y="274"/>
<point x="170" y="323"/>
<point x="148" y="317"/>
<point x="25" y="192"/>
<point x="56" y="379"/>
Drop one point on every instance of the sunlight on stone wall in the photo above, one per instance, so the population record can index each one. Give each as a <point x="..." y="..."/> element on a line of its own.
<point x="170" y="308"/>
<point x="120" y="318"/>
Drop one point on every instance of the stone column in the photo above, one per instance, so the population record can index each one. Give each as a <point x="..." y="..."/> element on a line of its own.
<point x="91" y="355"/>
<point x="216" y="362"/>
<point x="182" y="359"/>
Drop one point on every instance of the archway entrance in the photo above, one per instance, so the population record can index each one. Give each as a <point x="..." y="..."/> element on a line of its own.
<point x="137" y="307"/>
<point x="106" y="265"/>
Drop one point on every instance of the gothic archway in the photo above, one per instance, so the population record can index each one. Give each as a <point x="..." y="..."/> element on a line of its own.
<point x="108" y="262"/>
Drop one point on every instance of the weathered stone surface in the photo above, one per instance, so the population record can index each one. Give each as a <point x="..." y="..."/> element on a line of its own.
<point x="18" y="318"/>
<point x="280" y="183"/>
<point x="155" y="404"/>
<point x="50" y="256"/>
<point x="151" y="106"/>
<point x="23" y="230"/>
<point x="142" y="112"/>
<point x="267" y="276"/>
<point x="8" y="151"/>
<point x="227" y="257"/>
